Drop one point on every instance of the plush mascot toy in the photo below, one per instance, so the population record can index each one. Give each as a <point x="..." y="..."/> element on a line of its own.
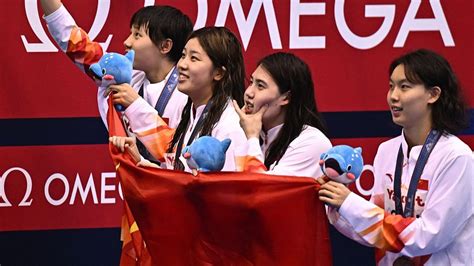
<point x="342" y="163"/>
<point x="113" y="68"/>
<point x="206" y="154"/>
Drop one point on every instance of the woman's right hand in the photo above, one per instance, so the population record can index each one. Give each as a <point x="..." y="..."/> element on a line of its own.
<point x="49" y="6"/>
<point x="128" y="143"/>
<point x="250" y="123"/>
<point x="333" y="193"/>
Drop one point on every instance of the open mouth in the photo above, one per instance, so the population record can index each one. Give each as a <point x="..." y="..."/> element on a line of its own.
<point x="95" y="76"/>
<point x="182" y="77"/>
<point x="333" y="164"/>
<point x="248" y="107"/>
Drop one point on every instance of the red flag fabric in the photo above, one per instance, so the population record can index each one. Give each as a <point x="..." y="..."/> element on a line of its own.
<point x="223" y="218"/>
<point x="134" y="251"/>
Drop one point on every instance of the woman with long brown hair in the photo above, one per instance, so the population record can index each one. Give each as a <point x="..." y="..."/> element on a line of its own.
<point x="211" y="73"/>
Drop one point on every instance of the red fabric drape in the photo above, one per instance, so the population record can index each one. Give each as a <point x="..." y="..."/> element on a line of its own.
<point x="223" y="218"/>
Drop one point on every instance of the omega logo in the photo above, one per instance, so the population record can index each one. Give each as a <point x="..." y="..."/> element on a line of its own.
<point x="45" y="44"/>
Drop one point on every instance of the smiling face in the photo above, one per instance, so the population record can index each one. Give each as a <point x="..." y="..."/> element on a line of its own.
<point x="197" y="73"/>
<point x="263" y="90"/>
<point x="410" y="104"/>
<point x="147" y="55"/>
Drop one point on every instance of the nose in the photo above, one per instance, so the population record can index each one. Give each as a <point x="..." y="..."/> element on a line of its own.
<point x="393" y="94"/>
<point x="128" y="42"/>
<point x="249" y="92"/>
<point x="182" y="64"/>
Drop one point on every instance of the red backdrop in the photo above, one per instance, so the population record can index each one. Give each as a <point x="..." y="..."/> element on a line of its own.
<point x="52" y="141"/>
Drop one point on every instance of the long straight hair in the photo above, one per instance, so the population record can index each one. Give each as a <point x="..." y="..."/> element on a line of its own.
<point x="291" y="74"/>
<point x="225" y="52"/>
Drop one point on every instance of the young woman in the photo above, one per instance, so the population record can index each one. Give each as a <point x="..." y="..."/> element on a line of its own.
<point x="157" y="36"/>
<point x="211" y="73"/>
<point x="281" y="110"/>
<point x="415" y="215"/>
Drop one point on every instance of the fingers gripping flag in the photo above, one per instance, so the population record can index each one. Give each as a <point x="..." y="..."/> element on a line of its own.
<point x="221" y="218"/>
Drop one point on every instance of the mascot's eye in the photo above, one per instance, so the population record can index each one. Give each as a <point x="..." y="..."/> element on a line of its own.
<point x="349" y="167"/>
<point x="103" y="71"/>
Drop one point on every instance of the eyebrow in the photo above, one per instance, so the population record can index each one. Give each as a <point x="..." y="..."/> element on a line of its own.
<point x="400" y="81"/>
<point x="259" y="80"/>
<point x="191" y="51"/>
<point x="140" y="27"/>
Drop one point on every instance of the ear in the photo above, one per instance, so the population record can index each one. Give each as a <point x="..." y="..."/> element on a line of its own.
<point x="435" y="93"/>
<point x="219" y="73"/>
<point x="166" y="45"/>
<point x="285" y="98"/>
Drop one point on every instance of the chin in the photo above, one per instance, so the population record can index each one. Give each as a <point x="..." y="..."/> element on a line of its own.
<point x="398" y="122"/>
<point x="182" y="89"/>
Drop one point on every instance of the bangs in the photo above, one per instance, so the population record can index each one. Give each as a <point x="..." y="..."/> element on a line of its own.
<point x="411" y="75"/>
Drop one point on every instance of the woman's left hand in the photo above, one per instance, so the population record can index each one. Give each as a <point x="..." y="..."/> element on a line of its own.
<point x="128" y="143"/>
<point x="122" y="94"/>
<point x="333" y="193"/>
<point x="250" y="123"/>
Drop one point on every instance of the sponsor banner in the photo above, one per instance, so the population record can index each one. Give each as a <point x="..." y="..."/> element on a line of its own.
<point x="348" y="44"/>
<point x="58" y="187"/>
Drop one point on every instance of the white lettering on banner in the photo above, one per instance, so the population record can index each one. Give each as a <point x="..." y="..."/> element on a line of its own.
<point x="83" y="192"/>
<point x="77" y="189"/>
<point x="201" y="15"/>
<point x="45" y="45"/>
<point x="246" y="26"/>
<point x="29" y="186"/>
<point x="296" y="10"/>
<point x="149" y="3"/>
<point x="438" y="23"/>
<point x="63" y="179"/>
<point x="104" y="187"/>
<point x="359" y="187"/>
<point x="99" y="21"/>
<point x="371" y="11"/>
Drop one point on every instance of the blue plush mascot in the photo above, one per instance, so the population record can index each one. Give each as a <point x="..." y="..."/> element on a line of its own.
<point x="342" y="163"/>
<point x="113" y="68"/>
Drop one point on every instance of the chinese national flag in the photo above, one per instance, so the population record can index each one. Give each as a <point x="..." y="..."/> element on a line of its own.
<point x="223" y="218"/>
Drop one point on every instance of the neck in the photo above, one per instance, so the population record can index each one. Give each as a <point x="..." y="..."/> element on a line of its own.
<point x="417" y="135"/>
<point x="272" y="122"/>
<point x="199" y="100"/>
<point x="163" y="68"/>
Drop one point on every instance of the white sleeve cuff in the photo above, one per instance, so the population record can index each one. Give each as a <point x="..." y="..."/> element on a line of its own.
<point x="142" y="116"/>
<point x="349" y="205"/>
<point x="254" y="148"/>
<point x="134" y="107"/>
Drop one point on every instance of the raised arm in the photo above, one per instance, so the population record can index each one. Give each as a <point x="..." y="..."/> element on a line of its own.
<point x="74" y="42"/>
<point x="49" y="6"/>
<point x="70" y="38"/>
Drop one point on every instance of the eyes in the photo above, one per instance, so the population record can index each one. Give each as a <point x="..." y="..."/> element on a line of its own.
<point x="193" y="57"/>
<point x="136" y="33"/>
<point x="403" y="86"/>
<point x="257" y="83"/>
